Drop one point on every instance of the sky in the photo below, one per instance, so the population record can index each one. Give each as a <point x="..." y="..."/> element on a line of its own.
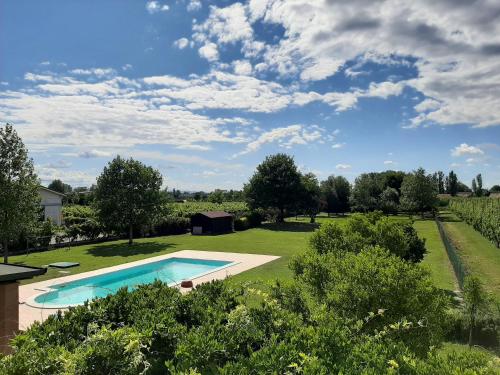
<point x="205" y="90"/>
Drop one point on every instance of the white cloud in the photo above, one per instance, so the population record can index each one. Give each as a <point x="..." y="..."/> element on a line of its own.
<point x="465" y="149"/>
<point x="343" y="167"/>
<point x="286" y="137"/>
<point x="194" y="5"/>
<point x="338" y="145"/>
<point x="389" y="162"/>
<point x="155" y="7"/>
<point x="181" y="43"/>
<point x="242" y="67"/>
<point x="209" y="51"/>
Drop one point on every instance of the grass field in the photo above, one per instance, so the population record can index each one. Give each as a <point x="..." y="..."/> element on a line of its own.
<point x="480" y="256"/>
<point x="284" y="240"/>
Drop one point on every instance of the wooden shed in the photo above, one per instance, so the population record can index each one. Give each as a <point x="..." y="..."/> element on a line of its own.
<point x="212" y="222"/>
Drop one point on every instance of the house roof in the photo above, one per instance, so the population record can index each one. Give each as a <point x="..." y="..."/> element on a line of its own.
<point x="12" y="272"/>
<point x="215" y="214"/>
<point x="51" y="191"/>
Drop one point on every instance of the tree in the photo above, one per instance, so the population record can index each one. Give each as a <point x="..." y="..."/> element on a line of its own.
<point x="474" y="187"/>
<point x="310" y="195"/>
<point x="452" y="184"/>
<point x="19" y="199"/>
<point x="128" y="195"/>
<point x="389" y="201"/>
<point x="216" y="196"/>
<point x="335" y="193"/>
<point x="479" y="181"/>
<point x="441" y="188"/>
<point x="418" y="193"/>
<point x="495" y="189"/>
<point x="462" y="187"/>
<point x="59" y="186"/>
<point x="366" y="191"/>
<point x="475" y="299"/>
<point x="275" y="184"/>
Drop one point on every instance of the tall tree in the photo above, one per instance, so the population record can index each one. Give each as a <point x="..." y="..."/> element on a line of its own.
<point x="452" y="185"/>
<point x="366" y="192"/>
<point x="479" y="180"/>
<point x="275" y="184"/>
<point x="310" y="196"/>
<point x="441" y="188"/>
<point x="474" y="187"/>
<point x="335" y="191"/>
<point x="389" y="201"/>
<point x="59" y="186"/>
<point x="128" y="195"/>
<point x="19" y="199"/>
<point x="418" y="192"/>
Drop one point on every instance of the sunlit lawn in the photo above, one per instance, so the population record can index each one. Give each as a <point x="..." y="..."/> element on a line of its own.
<point x="480" y="256"/>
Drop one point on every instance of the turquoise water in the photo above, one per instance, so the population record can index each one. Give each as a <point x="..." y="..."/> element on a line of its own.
<point x="171" y="271"/>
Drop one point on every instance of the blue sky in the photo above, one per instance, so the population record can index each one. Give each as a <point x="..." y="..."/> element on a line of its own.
<point x="204" y="90"/>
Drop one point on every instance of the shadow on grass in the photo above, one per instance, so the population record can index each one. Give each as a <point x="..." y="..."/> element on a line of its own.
<point x="124" y="250"/>
<point x="291" y="227"/>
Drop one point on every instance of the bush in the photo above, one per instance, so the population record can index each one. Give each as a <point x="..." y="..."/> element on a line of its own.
<point x="171" y="225"/>
<point x="255" y="218"/>
<point x="486" y="331"/>
<point x="241" y="223"/>
<point x="81" y="222"/>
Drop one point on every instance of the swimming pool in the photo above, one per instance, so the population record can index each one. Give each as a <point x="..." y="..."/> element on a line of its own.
<point x="171" y="271"/>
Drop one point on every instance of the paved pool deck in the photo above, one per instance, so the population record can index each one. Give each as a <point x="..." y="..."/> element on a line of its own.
<point x="243" y="262"/>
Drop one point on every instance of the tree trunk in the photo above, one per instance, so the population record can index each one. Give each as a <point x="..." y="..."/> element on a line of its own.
<point x="471" y="327"/>
<point x="130" y="234"/>
<point x="5" y="252"/>
<point x="281" y="217"/>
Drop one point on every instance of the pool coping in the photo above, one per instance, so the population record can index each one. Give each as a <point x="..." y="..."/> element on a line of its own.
<point x="240" y="262"/>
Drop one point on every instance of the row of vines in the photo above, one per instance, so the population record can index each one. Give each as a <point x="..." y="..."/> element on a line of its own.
<point x="483" y="214"/>
<point x="187" y="209"/>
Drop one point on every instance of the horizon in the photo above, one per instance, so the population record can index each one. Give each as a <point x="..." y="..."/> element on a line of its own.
<point x="203" y="91"/>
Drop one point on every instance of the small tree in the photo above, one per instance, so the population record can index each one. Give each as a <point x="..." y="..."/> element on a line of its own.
<point x="128" y="195"/>
<point x="418" y="193"/>
<point x="475" y="299"/>
<point x="275" y="184"/>
<point x="19" y="199"/>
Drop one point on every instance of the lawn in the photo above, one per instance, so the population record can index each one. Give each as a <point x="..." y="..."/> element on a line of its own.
<point x="479" y="255"/>
<point x="283" y="240"/>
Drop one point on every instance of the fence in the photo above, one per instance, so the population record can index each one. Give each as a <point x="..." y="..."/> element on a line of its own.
<point x="456" y="262"/>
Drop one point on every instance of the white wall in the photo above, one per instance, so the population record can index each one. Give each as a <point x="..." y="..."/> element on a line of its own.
<point x="52" y="204"/>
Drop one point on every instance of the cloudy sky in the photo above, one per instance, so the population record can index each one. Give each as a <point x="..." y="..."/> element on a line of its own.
<point x="204" y="90"/>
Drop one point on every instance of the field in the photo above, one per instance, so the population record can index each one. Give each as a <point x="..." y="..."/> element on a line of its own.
<point x="479" y="255"/>
<point x="284" y="240"/>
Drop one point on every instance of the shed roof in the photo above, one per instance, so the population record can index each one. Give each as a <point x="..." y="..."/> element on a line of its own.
<point x="215" y="214"/>
<point x="51" y="191"/>
<point x="12" y="272"/>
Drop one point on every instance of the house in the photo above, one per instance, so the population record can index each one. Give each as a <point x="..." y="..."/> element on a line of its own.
<point x="51" y="201"/>
<point x="212" y="222"/>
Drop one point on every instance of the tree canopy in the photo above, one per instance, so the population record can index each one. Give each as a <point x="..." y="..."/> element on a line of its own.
<point x="19" y="199"/>
<point x="276" y="184"/>
<point x="335" y="192"/>
<point x="418" y="192"/>
<point x="128" y="195"/>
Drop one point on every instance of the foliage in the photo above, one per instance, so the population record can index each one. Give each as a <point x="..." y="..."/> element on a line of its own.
<point x="360" y="231"/>
<point x="60" y="187"/>
<point x="187" y="209"/>
<point x="81" y="222"/>
<point x="495" y="189"/>
<point x="418" y="193"/>
<point x="166" y="225"/>
<point x="475" y="300"/>
<point x="19" y="199"/>
<point x="389" y="201"/>
<point x="335" y="193"/>
<point x="275" y="184"/>
<point x="483" y="214"/>
<point x="128" y="195"/>
<point x="366" y="191"/>
<point x="214" y="330"/>
<point x="309" y="197"/>
<point x="452" y="184"/>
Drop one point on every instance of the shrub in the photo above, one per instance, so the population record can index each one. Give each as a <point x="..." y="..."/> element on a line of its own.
<point x="81" y="222"/>
<point x="171" y="225"/>
<point x="241" y="223"/>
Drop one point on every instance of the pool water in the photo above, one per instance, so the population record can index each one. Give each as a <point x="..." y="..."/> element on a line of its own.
<point x="171" y="271"/>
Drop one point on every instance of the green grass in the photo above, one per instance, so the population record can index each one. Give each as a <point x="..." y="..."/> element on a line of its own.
<point x="479" y="255"/>
<point x="436" y="259"/>
<point x="283" y="240"/>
